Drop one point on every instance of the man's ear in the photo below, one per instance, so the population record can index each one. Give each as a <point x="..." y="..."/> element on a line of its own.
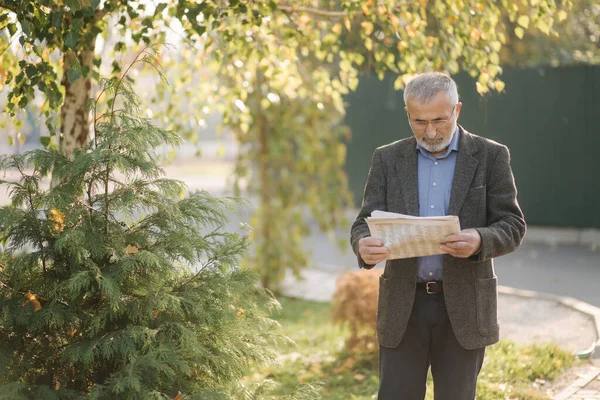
<point x="405" y="108"/>
<point x="458" y="108"/>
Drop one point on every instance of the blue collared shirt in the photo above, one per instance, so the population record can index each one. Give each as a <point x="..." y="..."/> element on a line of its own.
<point x="435" y="183"/>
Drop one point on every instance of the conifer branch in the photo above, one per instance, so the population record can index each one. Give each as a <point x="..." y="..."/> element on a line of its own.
<point x="32" y="210"/>
<point x="208" y="263"/>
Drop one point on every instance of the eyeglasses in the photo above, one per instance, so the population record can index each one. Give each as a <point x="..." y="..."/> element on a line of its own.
<point x="422" y="124"/>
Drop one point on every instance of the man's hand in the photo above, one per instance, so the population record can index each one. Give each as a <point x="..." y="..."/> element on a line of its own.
<point x="462" y="244"/>
<point x="372" y="250"/>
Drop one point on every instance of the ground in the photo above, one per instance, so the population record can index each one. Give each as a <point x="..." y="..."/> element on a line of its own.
<point x="510" y="370"/>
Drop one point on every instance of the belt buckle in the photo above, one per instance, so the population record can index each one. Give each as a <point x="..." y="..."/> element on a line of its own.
<point x="428" y="289"/>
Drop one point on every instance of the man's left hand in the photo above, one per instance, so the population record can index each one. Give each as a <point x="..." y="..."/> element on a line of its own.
<point x="463" y="244"/>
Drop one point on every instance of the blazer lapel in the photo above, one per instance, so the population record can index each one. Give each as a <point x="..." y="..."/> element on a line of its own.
<point x="407" y="174"/>
<point x="464" y="171"/>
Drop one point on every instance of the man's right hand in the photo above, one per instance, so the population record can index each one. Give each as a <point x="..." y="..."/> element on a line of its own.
<point x="372" y="251"/>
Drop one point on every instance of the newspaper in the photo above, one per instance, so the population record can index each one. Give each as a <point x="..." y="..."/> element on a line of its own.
<point x="408" y="236"/>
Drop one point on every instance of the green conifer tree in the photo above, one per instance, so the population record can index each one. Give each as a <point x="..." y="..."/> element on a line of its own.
<point x="115" y="284"/>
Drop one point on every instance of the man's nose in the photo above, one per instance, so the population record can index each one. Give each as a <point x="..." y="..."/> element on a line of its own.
<point x="430" y="131"/>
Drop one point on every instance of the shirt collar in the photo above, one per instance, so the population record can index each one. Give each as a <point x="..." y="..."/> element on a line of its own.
<point x="453" y="146"/>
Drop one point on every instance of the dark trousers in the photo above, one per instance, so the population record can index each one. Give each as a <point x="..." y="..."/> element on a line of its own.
<point x="429" y="341"/>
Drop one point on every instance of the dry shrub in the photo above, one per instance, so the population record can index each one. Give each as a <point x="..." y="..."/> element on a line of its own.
<point x="355" y="304"/>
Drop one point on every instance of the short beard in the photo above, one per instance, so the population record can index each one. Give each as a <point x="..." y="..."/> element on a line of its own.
<point x="437" y="146"/>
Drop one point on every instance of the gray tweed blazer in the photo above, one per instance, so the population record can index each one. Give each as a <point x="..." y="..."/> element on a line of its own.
<point x="484" y="197"/>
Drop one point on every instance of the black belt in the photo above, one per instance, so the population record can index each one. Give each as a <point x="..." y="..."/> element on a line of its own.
<point x="433" y="287"/>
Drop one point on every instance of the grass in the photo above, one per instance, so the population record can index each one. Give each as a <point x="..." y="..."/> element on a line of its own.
<point x="509" y="371"/>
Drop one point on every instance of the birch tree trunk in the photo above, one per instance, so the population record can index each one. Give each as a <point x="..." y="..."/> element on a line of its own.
<point x="75" y="124"/>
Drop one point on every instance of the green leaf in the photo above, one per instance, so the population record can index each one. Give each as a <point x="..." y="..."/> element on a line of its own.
<point x="30" y="70"/>
<point x="73" y="75"/>
<point x="45" y="141"/>
<point x="160" y="8"/>
<point x="57" y="18"/>
<point x="120" y="46"/>
<point x="27" y="27"/>
<point x="10" y="140"/>
<point x="77" y="24"/>
<point x="73" y="5"/>
<point x="12" y="29"/>
<point x="70" y="39"/>
<point x="199" y="29"/>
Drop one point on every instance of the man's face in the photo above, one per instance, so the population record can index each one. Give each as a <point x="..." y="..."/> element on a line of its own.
<point x="433" y="123"/>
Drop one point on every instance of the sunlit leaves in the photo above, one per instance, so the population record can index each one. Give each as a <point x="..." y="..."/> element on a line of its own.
<point x="282" y="69"/>
<point x="33" y="300"/>
<point x="58" y="220"/>
<point x="519" y="32"/>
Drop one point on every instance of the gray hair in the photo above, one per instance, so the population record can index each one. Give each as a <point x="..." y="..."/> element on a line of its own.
<point x="423" y="87"/>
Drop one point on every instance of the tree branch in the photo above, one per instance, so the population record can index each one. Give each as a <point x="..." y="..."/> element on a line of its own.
<point x="314" y="11"/>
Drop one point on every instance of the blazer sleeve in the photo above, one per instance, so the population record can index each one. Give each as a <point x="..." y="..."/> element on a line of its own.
<point x="506" y="226"/>
<point x="374" y="198"/>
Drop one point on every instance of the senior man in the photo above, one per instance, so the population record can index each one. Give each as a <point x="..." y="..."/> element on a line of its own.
<point x="439" y="311"/>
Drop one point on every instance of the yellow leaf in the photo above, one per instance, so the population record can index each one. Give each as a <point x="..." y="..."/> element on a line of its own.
<point x="131" y="249"/>
<point x="475" y="34"/>
<point x="499" y="85"/>
<point x="32" y="298"/>
<point x="523" y="21"/>
<point x="365" y="8"/>
<point x="58" y="218"/>
<point x="395" y="21"/>
<point x="484" y="78"/>
<point x="265" y="103"/>
<point x="347" y="23"/>
<point x="481" y="89"/>
<point x="337" y="28"/>
<point x="519" y="32"/>
<point x="562" y="15"/>
<point x="494" y="58"/>
<point x="398" y="83"/>
<point x="367" y="26"/>
<point x="544" y="25"/>
<point x="21" y="138"/>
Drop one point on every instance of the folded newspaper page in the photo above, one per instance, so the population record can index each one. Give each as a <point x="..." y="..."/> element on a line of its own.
<point x="409" y="236"/>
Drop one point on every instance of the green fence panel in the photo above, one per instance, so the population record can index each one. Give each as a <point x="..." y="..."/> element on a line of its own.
<point x="548" y="117"/>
